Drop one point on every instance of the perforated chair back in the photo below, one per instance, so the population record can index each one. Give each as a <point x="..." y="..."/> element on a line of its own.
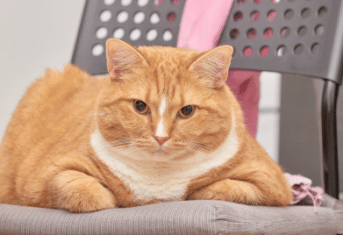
<point x="290" y="36"/>
<point x="138" y="22"/>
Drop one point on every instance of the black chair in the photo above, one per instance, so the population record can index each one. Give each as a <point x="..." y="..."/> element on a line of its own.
<point x="289" y="36"/>
<point x="299" y="37"/>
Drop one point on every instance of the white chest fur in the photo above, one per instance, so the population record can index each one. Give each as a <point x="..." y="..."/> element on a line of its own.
<point x="166" y="180"/>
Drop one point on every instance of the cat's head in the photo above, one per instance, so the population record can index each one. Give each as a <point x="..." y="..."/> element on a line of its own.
<point x="167" y="102"/>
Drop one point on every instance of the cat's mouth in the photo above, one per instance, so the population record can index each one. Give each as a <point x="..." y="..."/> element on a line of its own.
<point x="161" y="150"/>
<point x="169" y="149"/>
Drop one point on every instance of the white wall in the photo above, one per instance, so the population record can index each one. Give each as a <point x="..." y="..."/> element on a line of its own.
<point x="269" y="115"/>
<point x="40" y="34"/>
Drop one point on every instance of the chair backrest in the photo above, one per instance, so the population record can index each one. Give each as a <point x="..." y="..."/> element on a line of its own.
<point x="290" y="36"/>
<point x="302" y="37"/>
<point x="138" y="22"/>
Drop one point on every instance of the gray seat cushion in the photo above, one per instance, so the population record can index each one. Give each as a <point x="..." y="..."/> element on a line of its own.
<point x="186" y="217"/>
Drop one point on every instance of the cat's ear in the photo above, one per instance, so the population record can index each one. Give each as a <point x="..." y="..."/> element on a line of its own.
<point x="122" y="58"/>
<point x="214" y="65"/>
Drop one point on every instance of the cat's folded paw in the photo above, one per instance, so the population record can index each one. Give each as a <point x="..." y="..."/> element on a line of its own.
<point x="90" y="202"/>
<point x="78" y="192"/>
<point x="229" y="190"/>
<point x="204" y="194"/>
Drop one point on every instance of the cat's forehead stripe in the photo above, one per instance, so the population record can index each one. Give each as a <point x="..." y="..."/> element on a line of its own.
<point x="163" y="105"/>
<point x="161" y="109"/>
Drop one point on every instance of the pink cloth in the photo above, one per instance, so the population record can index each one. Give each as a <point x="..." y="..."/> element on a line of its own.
<point x="201" y="26"/>
<point x="202" y="23"/>
<point x="245" y="84"/>
<point x="303" y="192"/>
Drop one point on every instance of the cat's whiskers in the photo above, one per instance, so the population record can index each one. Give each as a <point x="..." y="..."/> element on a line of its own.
<point x="125" y="148"/>
<point x="122" y="143"/>
<point x="201" y="148"/>
<point x="118" y="145"/>
<point x="129" y="151"/>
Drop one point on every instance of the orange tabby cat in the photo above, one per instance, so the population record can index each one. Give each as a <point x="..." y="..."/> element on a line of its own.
<point x="163" y="126"/>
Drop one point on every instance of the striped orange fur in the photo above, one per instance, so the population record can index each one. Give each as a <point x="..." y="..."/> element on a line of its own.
<point x="162" y="126"/>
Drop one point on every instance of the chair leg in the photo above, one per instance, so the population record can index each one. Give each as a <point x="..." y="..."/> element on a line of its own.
<point x="329" y="137"/>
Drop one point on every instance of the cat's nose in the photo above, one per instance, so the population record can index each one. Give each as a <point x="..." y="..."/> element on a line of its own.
<point x="161" y="139"/>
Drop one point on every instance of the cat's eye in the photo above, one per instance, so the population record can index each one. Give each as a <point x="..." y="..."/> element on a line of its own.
<point x="186" y="111"/>
<point x="141" y="107"/>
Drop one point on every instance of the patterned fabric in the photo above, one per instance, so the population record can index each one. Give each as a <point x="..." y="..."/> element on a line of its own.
<point x="303" y="192"/>
<point x="185" y="217"/>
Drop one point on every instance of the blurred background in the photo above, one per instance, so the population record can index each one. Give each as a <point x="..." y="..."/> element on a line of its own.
<point x="40" y="34"/>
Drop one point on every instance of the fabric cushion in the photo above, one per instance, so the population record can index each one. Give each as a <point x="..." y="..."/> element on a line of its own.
<point x="186" y="217"/>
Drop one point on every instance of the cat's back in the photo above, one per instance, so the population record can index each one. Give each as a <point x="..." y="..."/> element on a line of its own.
<point x="55" y="110"/>
<point x="53" y="99"/>
<point x="54" y="116"/>
<point x="57" y="90"/>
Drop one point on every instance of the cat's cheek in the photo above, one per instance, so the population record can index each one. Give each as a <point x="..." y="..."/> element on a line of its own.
<point x="112" y="133"/>
<point x="146" y="144"/>
<point x="137" y="125"/>
<point x="122" y="123"/>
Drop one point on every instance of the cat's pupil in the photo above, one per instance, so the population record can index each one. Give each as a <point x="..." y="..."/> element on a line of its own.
<point x="140" y="105"/>
<point x="187" y="110"/>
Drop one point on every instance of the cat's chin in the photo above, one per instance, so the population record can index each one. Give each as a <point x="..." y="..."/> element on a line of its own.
<point x="170" y="154"/>
<point x="161" y="153"/>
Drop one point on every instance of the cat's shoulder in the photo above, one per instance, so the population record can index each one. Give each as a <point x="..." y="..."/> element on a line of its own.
<point x="60" y="83"/>
<point x="70" y="77"/>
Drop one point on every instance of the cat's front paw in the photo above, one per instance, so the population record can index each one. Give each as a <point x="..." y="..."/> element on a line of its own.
<point x="205" y="193"/>
<point x="229" y="190"/>
<point x="78" y="192"/>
